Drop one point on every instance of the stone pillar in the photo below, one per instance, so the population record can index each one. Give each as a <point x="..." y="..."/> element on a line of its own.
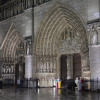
<point x="95" y="61"/>
<point x="85" y="65"/>
<point x="58" y="71"/>
<point x="69" y="66"/>
<point x="28" y="66"/>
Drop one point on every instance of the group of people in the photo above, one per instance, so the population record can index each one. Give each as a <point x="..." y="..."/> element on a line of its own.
<point x="80" y="84"/>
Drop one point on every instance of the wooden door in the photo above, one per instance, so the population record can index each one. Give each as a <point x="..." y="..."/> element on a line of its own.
<point x="63" y="67"/>
<point x="19" y="72"/>
<point x="77" y="70"/>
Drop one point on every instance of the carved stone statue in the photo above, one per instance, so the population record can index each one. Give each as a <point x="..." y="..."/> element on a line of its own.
<point x="94" y="38"/>
<point x="27" y="48"/>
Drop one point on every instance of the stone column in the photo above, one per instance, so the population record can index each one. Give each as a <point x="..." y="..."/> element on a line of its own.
<point x="58" y="71"/>
<point x="69" y="66"/>
<point x="28" y="66"/>
<point x="85" y="65"/>
<point x="94" y="55"/>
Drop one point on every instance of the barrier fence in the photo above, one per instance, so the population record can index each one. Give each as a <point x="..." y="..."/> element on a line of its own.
<point x="90" y="84"/>
<point x="22" y="83"/>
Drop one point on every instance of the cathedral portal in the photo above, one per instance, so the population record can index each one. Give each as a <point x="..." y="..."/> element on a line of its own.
<point x="62" y="31"/>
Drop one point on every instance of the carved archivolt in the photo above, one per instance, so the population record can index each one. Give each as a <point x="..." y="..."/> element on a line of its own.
<point x="12" y="50"/>
<point x="58" y="18"/>
<point x="10" y="44"/>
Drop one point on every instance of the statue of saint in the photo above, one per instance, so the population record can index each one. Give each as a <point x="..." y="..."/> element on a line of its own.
<point x="94" y="38"/>
<point x="27" y="48"/>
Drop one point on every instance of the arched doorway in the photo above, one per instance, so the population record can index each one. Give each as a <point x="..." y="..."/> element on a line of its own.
<point x="62" y="31"/>
<point x="63" y="67"/>
<point x="71" y="66"/>
<point x="13" y="61"/>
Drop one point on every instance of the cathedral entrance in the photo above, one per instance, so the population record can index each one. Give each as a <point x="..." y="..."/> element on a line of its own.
<point x="62" y="31"/>
<point x="63" y="67"/>
<point x="71" y="66"/>
<point x="13" y="56"/>
<point x="77" y="70"/>
<point x="19" y="71"/>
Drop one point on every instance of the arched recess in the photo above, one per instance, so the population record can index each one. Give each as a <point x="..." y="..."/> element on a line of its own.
<point x="12" y="50"/>
<point x="56" y="34"/>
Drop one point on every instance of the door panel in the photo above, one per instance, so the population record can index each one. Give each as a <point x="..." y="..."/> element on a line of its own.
<point x="63" y="67"/>
<point x="77" y="72"/>
<point x="19" y="71"/>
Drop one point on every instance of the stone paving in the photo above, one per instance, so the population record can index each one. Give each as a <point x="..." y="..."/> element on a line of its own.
<point x="12" y="93"/>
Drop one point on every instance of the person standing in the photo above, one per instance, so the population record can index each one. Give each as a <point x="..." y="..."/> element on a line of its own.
<point x="0" y="85"/>
<point x="76" y="81"/>
<point x="79" y="84"/>
<point x="82" y="81"/>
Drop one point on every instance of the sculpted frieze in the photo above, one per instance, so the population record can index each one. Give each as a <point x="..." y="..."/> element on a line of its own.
<point x="69" y="46"/>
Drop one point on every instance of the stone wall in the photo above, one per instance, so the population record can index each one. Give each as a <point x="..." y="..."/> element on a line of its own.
<point x="94" y="49"/>
<point x="40" y="11"/>
<point x="95" y="61"/>
<point x="89" y="10"/>
<point x="93" y="9"/>
<point x="22" y="23"/>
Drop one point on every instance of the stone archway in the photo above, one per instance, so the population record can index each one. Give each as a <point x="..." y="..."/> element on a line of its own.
<point x="13" y="52"/>
<point x="62" y="30"/>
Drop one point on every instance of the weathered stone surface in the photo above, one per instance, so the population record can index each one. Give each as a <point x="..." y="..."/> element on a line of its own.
<point x="22" y="23"/>
<point x="95" y="61"/>
<point x="40" y="11"/>
<point x="46" y="23"/>
<point x="50" y="38"/>
<point x="93" y="9"/>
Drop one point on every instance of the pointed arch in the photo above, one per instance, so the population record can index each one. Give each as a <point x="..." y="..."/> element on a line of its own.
<point x="54" y="22"/>
<point x="10" y="43"/>
<point x="59" y="18"/>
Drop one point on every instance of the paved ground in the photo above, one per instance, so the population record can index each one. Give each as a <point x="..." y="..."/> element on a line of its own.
<point x="12" y="93"/>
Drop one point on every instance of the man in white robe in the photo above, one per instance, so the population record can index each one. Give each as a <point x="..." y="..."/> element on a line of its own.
<point x="79" y="84"/>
